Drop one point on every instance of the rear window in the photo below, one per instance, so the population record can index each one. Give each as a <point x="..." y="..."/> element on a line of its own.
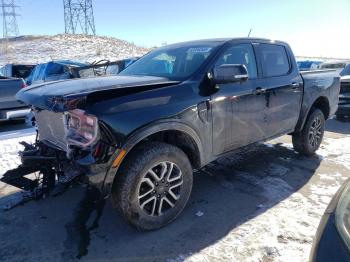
<point x="21" y="71"/>
<point x="274" y="59"/>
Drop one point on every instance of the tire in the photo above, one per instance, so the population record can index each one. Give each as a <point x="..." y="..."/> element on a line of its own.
<point x="142" y="198"/>
<point x="309" y="139"/>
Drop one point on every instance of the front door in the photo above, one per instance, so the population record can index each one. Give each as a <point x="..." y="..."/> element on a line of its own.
<point x="238" y="109"/>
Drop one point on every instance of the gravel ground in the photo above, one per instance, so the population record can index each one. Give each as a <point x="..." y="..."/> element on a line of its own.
<point x="263" y="204"/>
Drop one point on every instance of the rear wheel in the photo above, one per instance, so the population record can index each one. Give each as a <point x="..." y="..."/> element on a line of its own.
<point x="153" y="186"/>
<point x="309" y="139"/>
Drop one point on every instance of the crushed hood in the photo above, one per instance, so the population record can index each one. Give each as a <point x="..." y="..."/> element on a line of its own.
<point x="67" y="94"/>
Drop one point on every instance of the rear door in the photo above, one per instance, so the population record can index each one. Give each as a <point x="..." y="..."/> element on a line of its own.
<point x="238" y="111"/>
<point x="283" y="85"/>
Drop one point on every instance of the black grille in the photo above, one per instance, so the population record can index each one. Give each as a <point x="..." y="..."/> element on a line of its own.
<point x="345" y="87"/>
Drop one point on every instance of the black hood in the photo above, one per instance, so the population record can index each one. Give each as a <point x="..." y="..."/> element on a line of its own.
<point x="62" y="95"/>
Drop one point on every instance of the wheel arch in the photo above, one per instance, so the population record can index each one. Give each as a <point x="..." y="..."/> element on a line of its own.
<point x="171" y="132"/>
<point x="321" y="103"/>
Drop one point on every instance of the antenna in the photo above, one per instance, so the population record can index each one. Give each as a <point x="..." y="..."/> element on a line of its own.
<point x="9" y="20"/>
<point x="250" y="32"/>
<point x="79" y="17"/>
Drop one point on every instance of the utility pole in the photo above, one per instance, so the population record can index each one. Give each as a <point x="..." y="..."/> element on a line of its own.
<point x="9" y="18"/>
<point x="9" y="25"/>
<point x="79" y="17"/>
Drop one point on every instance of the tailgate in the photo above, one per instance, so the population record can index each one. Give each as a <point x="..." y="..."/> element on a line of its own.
<point x="8" y="90"/>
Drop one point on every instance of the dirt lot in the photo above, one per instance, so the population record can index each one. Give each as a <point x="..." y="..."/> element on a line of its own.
<point x="263" y="204"/>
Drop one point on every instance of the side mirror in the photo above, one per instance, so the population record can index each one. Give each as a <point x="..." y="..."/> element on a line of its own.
<point x="229" y="73"/>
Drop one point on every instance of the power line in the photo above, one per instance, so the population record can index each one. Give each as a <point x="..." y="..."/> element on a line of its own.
<point x="9" y="18"/>
<point x="79" y="17"/>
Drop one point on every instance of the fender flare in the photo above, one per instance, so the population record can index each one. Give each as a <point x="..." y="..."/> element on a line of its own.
<point x="303" y="116"/>
<point x="139" y="135"/>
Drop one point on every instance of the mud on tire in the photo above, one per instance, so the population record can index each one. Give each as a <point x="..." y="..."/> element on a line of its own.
<point x="153" y="185"/>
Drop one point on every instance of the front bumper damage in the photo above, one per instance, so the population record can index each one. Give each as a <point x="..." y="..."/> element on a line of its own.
<point x="47" y="171"/>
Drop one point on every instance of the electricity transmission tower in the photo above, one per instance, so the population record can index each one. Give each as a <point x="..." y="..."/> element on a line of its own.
<point x="9" y="20"/>
<point x="79" y="17"/>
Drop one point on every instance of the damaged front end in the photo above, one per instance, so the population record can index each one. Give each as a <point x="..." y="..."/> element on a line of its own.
<point x="68" y="145"/>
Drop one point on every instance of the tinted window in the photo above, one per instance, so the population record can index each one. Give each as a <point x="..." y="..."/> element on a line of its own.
<point x="241" y="54"/>
<point x="274" y="60"/>
<point x="21" y="71"/>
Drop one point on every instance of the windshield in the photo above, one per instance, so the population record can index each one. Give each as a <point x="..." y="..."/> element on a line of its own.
<point x="174" y="63"/>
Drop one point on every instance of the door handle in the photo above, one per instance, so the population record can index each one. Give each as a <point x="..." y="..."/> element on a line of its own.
<point x="203" y="110"/>
<point x="259" y="91"/>
<point x="295" y="85"/>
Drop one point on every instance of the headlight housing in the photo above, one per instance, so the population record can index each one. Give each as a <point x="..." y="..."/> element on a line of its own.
<point x="342" y="215"/>
<point x="81" y="128"/>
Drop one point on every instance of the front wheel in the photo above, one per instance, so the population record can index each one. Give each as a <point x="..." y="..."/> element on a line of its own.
<point x="153" y="186"/>
<point x="309" y="139"/>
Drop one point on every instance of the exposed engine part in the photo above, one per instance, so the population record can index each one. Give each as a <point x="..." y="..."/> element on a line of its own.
<point x="41" y="171"/>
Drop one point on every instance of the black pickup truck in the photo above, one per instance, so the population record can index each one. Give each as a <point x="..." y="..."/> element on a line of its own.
<point x="139" y="135"/>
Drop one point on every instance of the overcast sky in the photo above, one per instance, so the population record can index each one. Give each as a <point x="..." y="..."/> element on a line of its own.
<point x="312" y="27"/>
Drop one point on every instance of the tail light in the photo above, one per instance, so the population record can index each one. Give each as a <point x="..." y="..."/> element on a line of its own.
<point x="23" y="84"/>
<point x="81" y="128"/>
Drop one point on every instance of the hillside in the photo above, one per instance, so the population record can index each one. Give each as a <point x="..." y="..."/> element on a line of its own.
<point x="36" y="49"/>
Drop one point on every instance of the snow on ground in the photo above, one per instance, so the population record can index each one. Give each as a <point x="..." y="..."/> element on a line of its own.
<point x="283" y="227"/>
<point x="38" y="49"/>
<point x="283" y="232"/>
<point x="9" y="147"/>
<point x="336" y="150"/>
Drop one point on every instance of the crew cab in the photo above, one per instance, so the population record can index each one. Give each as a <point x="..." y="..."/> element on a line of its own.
<point x="138" y="136"/>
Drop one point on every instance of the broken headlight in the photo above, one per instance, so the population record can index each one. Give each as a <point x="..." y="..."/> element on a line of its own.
<point x="342" y="215"/>
<point x="81" y="128"/>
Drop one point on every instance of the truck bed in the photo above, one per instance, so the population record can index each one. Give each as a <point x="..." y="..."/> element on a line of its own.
<point x="321" y="84"/>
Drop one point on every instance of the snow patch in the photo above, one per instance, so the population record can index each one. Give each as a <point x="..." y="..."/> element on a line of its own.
<point x="336" y="150"/>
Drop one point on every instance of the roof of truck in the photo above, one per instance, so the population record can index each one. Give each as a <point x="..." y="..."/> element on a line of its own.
<point x="224" y="40"/>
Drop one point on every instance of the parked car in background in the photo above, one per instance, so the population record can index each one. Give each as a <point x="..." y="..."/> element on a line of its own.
<point x="53" y="70"/>
<point x="308" y="65"/>
<point x="139" y="135"/>
<point x="10" y="107"/>
<point x="343" y="112"/>
<point x="104" y="68"/>
<point x="16" y="70"/>
<point x="332" y="240"/>
<point x="60" y="70"/>
<point x="343" y="68"/>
